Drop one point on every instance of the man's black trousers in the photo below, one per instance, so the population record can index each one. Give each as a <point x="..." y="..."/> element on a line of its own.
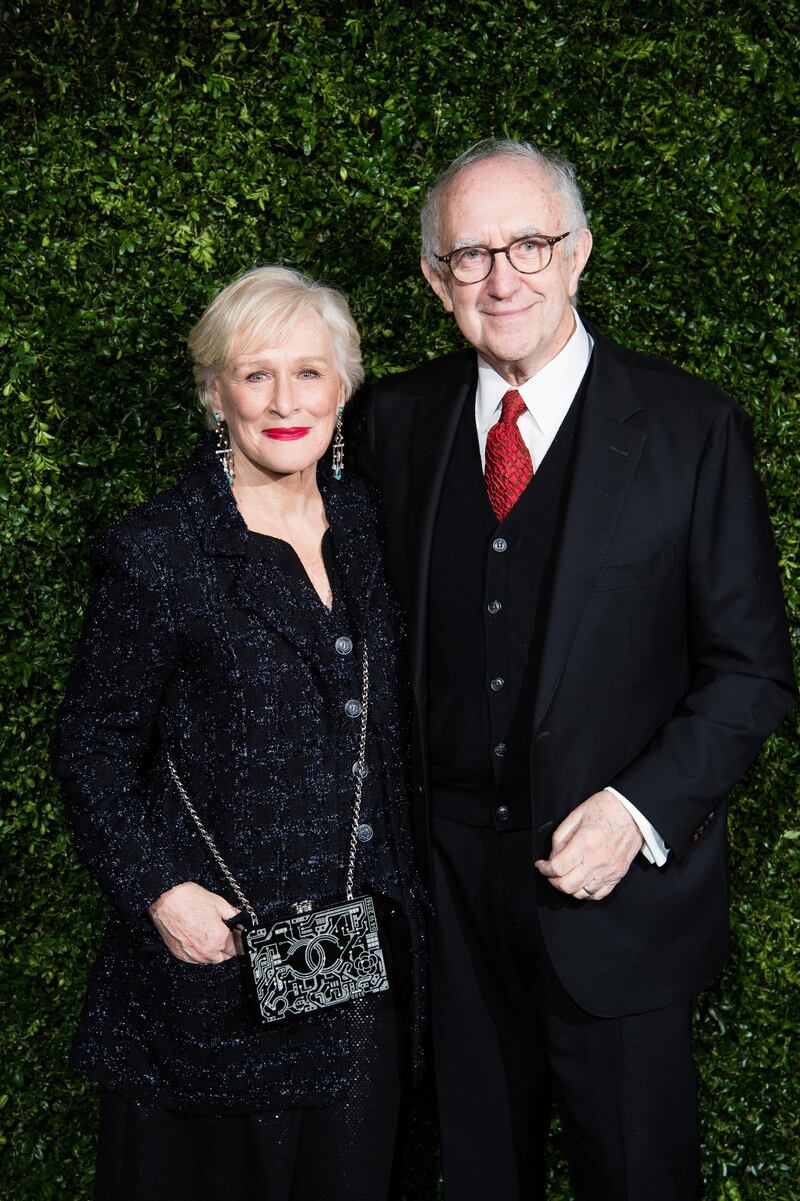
<point x="507" y="1037"/>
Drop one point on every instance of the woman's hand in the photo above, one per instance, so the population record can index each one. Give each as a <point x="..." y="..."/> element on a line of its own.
<point x="191" y="920"/>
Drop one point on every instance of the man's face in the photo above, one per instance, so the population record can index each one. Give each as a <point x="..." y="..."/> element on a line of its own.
<point x="516" y="322"/>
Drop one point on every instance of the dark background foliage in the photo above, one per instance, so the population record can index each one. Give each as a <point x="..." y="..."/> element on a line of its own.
<point x="152" y="151"/>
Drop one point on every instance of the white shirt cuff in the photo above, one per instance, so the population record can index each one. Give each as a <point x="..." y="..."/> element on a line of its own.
<point x="655" y="850"/>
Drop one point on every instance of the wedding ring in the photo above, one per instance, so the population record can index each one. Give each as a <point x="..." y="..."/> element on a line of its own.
<point x="588" y="891"/>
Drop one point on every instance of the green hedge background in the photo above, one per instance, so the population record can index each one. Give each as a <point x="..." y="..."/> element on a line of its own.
<point x="152" y="151"/>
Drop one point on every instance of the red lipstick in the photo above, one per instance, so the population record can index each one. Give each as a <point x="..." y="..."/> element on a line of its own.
<point x="287" y="433"/>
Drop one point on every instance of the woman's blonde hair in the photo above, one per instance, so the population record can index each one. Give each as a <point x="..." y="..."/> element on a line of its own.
<point x="261" y="307"/>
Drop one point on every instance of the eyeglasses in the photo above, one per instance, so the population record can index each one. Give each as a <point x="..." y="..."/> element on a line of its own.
<point x="471" y="264"/>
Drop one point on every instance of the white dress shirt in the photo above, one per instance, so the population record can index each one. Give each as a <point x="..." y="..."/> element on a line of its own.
<point x="548" y="396"/>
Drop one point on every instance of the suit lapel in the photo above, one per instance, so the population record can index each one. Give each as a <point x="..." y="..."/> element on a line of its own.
<point x="273" y="596"/>
<point x="435" y="427"/>
<point x="237" y="579"/>
<point x="291" y="608"/>
<point x="358" y="555"/>
<point x="611" y="438"/>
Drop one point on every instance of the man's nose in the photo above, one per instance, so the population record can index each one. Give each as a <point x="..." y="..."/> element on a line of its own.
<point x="503" y="278"/>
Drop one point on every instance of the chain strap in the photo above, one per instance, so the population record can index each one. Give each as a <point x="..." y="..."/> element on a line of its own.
<point x="360" y="770"/>
<point x="360" y="773"/>
<point x="210" y="841"/>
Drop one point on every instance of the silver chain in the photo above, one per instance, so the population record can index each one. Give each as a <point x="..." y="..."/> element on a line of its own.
<point x="211" y="844"/>
<point x="360" y="772"/>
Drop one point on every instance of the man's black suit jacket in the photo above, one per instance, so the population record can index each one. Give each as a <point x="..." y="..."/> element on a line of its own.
<point x="665" y="659"/>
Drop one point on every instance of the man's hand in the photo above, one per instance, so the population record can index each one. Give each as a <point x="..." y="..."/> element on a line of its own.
<point x="592" y="848"/>
<point x="191" y="920"/>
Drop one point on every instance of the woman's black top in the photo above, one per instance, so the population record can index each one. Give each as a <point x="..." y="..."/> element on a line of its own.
<point x="211" y="643"/>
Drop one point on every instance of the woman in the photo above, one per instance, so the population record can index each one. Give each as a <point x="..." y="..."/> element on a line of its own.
<point x="223" y="658"/>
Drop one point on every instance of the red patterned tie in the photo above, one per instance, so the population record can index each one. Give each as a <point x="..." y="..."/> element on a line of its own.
<point x="509" y="469"/>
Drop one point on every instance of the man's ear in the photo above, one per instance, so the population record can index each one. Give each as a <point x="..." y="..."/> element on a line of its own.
<point x="579" y="259"/>
<point x="438" y="283"/>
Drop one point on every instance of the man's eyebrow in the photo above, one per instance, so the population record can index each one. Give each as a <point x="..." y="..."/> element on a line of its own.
<point x="462" y="243"/>
<point x="526" y="232"/>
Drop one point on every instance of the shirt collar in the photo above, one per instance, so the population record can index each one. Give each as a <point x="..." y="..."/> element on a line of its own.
<point x="547" y="394"/>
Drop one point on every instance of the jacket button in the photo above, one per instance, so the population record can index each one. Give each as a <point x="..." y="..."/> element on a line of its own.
<point x="497" y="683"/>
<point x="353" y="708"/>
<point x="502" y="813"/>
<point x="494" y="606"/>
<point x="500" y="750"/>
<point x="343" y="645"/>
<point x="364" y="832"/>
<point x="361" y="769"/>
<point x="499" y="545"/>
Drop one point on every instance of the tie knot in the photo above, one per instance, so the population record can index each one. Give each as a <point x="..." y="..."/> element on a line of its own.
<point x="513" y="406"/>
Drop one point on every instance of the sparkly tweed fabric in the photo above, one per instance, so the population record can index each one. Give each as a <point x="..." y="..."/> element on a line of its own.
<point x="508" y="462"/>
<point x="204" y="641"/>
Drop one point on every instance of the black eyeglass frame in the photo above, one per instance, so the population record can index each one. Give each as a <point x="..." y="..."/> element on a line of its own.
<point x="506" y="250"/>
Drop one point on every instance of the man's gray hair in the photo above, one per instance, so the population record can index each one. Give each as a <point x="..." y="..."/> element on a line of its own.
<point x="559" y="173"/>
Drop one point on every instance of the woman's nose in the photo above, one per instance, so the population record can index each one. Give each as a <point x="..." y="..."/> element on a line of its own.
<point x="282" y="400"/>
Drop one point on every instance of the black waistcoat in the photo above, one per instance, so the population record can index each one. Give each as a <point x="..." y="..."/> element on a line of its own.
<point x="489" y="590"/>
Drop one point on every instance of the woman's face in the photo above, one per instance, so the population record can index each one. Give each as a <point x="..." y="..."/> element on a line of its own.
<point x="280" y="402"/>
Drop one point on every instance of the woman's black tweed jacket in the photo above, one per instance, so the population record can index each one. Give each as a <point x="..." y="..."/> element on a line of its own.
<point x="204" y="641"/>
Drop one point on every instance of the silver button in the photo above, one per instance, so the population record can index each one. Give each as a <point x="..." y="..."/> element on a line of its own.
<point x="499" y="545"/>
<point x="360" y="768"/>
<point x="494" y="607"/>
<point x="364" y="832"/>
<point x="502" y="813"/>
<point x="344" y="645"/>
<point x="497" y="683"/>
<point x="353" y="708"/>
<point x="500" y="750"/>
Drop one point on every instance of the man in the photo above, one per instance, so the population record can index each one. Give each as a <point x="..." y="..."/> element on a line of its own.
<point x="599" y="649"/>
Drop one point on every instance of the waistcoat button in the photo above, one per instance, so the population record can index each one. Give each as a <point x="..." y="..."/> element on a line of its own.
<point x="494" y="606"/>
<point x="497" y="683"/>
<point x="500" y="750"/>
<point x="499" y="545"/>
<point x="502" y="813"/>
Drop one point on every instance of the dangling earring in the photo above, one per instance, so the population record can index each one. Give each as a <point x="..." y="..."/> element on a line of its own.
<point x="338" y="445"/>
<point x="224" y="448"/>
